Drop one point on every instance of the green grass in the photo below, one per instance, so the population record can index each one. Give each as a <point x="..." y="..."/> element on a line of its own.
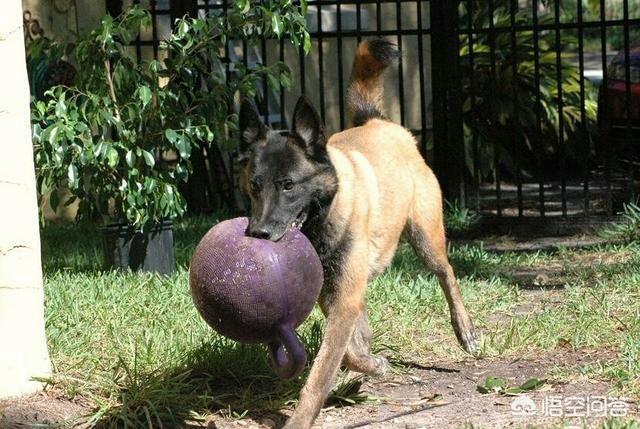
<point x="134" y="347"/>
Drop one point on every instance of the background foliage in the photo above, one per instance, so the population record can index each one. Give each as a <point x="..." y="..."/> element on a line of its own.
<point x="120" y="138"/>
<point x="501" y="109"/>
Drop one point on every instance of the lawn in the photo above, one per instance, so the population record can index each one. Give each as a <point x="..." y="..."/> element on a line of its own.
<point x="132" y="350"/>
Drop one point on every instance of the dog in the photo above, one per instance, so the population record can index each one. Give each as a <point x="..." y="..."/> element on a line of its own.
<point x="353" y="195"/>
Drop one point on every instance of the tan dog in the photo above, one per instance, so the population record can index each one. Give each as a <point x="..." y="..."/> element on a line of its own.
<point x="353" y="196"/>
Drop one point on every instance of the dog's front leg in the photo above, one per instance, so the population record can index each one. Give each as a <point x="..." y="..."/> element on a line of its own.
<point x="343" y="311"/>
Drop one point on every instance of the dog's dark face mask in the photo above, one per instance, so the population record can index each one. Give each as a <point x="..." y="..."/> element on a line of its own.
<point x="286" y="174"/>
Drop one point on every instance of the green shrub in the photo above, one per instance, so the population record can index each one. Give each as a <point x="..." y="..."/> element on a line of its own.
<point x="121" y="138"/>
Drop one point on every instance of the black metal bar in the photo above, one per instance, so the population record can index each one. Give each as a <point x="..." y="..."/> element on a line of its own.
<point x="359" y="21"/>
<point x="232" y="201"/>
<point x="627" y="97"/>
<point x="321" y="65"/>
<point x="605" y="105"/>
<point x="303" y="87"/>
<point x="340" y="77"/>
<point x="516" y="129"/>
<point x="423" y="102"/>
<point x="265" y="86"/>
<point x="496" y="155"/>
<point x="137" y="42"/>
<point x="474" y="118"/>
<point x="538" y="109"/>
<point x="583" y="113"/>
<point x="400" y="74"/>
<point x="561" y="142"/>
<point x="245" y="54"/>
<point x="154" y="28"/>
<point x="378" y="16"/>
<point x="283" y="122"/>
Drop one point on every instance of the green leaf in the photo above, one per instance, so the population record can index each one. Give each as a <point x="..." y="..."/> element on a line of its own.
<point x="184" y="147"/>
<point x="171" y="135"/>
<point x="532" y="384"/>
<point x="61" y="107"/>
<point x="183" y="28"/>
<point x="148" y="158"/>
<point x="276" y="24"/>
<point x="72" y="175"/>
<point x="243" y="5"/>
<point x="307" y="43"/>
<point x="145" y="95"/>
<point x="53" y="133"/>
<point x="512" y="391"/>
<point x="112" y="157"/>
<point x="492" y="384"/>
<point x="130" y="157"/>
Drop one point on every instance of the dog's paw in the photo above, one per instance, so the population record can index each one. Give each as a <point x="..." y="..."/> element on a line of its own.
<point x="381" y="366"/>
<point x="372" y="365"/>
<point x="469" y="341"/>
<point x="466" y="334"/>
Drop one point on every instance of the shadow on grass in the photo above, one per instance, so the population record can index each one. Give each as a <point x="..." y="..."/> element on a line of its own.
<point x="218" y="377"/>
<point x="207" y="380"/>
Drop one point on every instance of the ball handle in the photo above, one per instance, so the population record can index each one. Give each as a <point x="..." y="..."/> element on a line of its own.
<point x="287" y="353"/>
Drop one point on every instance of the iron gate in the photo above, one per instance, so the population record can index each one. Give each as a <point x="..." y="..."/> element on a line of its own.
<point x="529" y="110"/>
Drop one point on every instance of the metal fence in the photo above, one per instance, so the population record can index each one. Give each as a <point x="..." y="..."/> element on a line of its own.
<point x="553" y="130"/>
<point x="529" y="110"/>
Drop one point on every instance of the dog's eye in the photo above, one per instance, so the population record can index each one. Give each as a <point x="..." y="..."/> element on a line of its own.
<point x="288" y="185"/>
<point x="255" y="186"/>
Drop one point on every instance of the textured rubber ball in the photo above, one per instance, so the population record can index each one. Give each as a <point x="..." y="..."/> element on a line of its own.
<point x="257" y="291"/>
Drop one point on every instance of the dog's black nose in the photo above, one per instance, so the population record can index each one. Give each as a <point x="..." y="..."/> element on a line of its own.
<point x="260" y="232"/>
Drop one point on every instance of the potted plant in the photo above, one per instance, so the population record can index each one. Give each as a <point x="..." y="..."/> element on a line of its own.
<point x="120" y="138"/>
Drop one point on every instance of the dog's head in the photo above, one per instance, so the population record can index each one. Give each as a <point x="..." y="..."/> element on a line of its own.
<point x="285" y="173"/>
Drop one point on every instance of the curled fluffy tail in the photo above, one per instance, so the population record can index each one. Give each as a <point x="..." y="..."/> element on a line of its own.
<point x="364" y="97"/>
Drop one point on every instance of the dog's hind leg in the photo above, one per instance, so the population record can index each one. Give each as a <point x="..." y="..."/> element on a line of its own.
<point x="358" y="356"/>
<point x="425" y="231"/>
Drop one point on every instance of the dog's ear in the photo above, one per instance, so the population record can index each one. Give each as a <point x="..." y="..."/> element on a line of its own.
<point x="307" y="125"/>
<point x="251" y="127"/>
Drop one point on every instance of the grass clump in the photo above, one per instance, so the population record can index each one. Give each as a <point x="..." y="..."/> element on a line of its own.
<point x="628" y="227"/>
<point x="458" y="218"/>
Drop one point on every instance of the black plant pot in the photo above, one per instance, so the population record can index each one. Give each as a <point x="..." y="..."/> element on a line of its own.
<point x="149" y="251"/>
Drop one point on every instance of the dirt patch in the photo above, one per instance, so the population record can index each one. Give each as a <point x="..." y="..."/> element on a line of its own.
<point x="445" y="395"/>
<point x="39" y="410"/>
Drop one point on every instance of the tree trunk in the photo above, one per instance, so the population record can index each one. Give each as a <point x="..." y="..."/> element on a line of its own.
<point x="23" y="347"/>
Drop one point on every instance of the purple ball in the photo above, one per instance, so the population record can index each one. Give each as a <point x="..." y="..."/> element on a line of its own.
<point x="257" y="291"/>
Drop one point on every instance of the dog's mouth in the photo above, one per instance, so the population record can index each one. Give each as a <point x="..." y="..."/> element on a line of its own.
<point x="299" y="220"/>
